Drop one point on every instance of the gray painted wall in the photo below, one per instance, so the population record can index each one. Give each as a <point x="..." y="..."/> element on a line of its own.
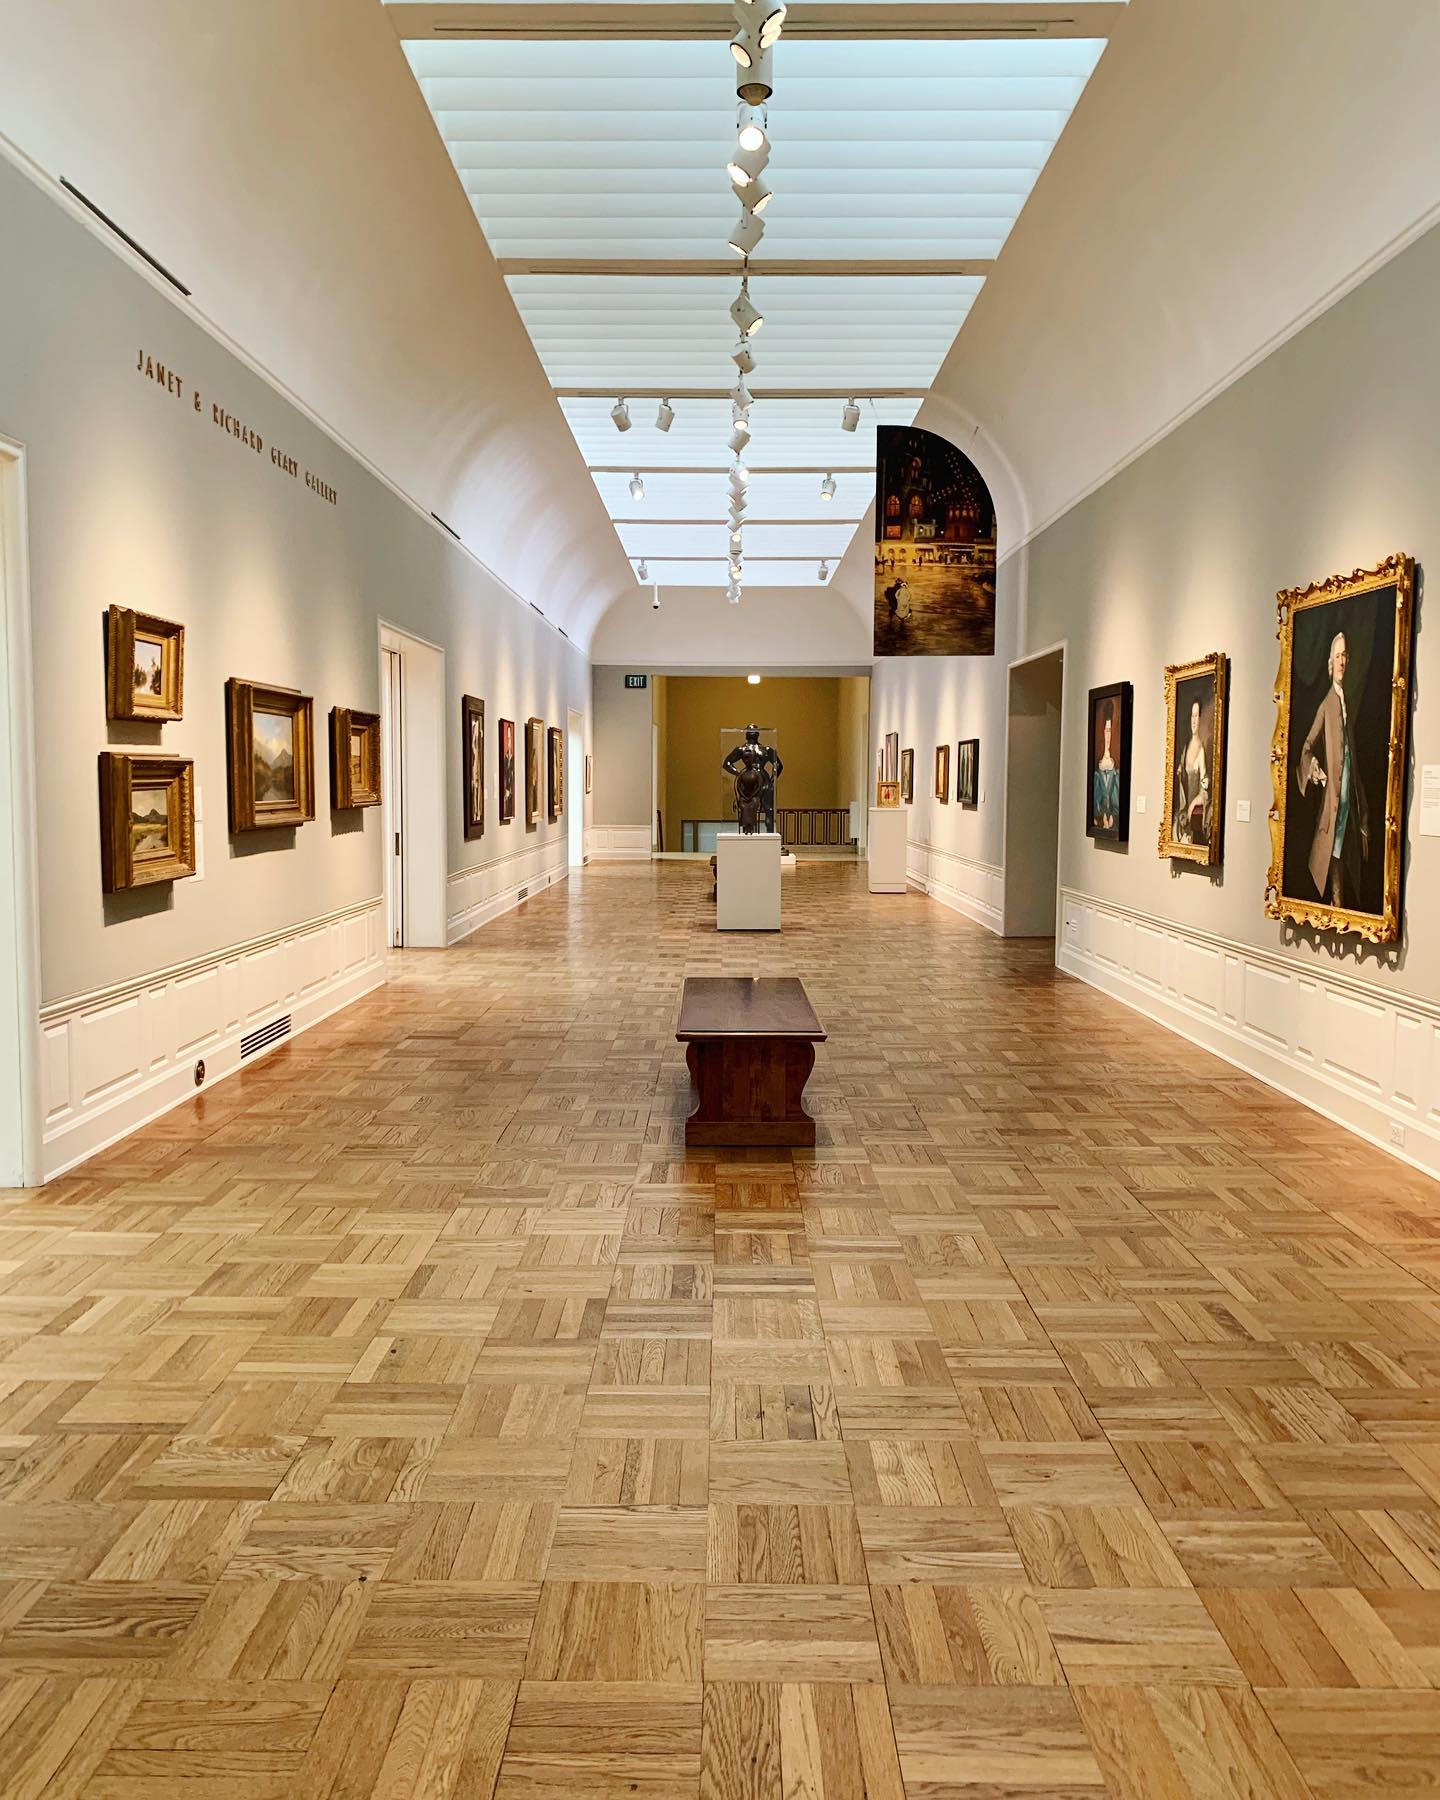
<point x="136" y="498"/>
<point x="1323" y="458"/>
<point x="623" y="759"/>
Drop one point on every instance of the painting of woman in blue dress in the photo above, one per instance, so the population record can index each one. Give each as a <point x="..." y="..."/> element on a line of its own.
<point x="1107" y="809"/>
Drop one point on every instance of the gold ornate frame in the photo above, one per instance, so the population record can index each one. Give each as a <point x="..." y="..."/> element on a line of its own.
<point x="942" y="774"/>
<point x="907" y="777"/>
<point x="555" y="772"/>
<point x="119" y="774"/>
<point x="242" y="700"/>
<point x="1396" y="571"/>
<point x="534" y="745"/>
<point x="122" y="627"/>
<point x="1217" y="664"/>
<point x="472" y="707"/>
<point x="345" y="726"/>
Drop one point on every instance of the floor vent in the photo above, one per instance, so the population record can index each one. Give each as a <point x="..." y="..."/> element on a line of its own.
<point x="524" y="893"/>
<point x="264" y="1036"/>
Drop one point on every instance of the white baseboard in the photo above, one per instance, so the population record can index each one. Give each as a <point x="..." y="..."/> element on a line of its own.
<point x="617" y="843"/>
<point x="476" y="896"/>
<point x="114" y="1059"/>
<point x="1365" y="1056"/>
<point x="976" y="889"/>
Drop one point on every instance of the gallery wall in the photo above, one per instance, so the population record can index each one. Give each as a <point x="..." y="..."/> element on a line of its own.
<point x="137" y="495"/>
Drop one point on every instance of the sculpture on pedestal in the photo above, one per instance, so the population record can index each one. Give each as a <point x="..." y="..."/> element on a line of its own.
<point x="756" y="768"/>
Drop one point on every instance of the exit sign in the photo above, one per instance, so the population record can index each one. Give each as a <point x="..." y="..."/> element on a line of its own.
<point x="636" y="680"/>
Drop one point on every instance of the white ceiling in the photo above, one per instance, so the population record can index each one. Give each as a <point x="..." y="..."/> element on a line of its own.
<point x="614" y="151"/>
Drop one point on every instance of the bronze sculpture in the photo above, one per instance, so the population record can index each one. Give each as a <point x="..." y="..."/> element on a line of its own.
<point x="756" y="768"/>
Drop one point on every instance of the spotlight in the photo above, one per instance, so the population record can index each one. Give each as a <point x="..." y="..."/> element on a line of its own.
<point x="741" y="399"/>
<point x="763" y="18"/>
<point x="754" y="680"/>
<point x="827" y="488"/>
<point x="655" y="598"/>
<point x="737" y="484"/>
<point x="739" y="437"/>
<point x="746" y="234"/>
<point x="737" y="569"/>
<point x="642" y="571"/>
<point x="732" y="593"/>
<point x="620" y="413"/>
<point x="665" y="418"/>
<point x="752" y="135"/>
<point x="850" y="417"/>
<point x="823" y="572"/>
<point x="743" y="357"/>
<point x="746" y="315"/>
<point x="736" y="540"/>
<point x="754" y="196"/>
<point x="637" y="486"/>
<point x="754" y="84"/>
<point x="741" y="471"/>
<point x="746" y="165"/>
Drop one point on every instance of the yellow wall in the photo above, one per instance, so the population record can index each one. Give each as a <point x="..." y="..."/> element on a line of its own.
<point x="805" y="714"/>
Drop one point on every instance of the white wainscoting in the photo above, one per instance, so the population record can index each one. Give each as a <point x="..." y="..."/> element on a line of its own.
<point x="617" y="843"/>
<point x="117" y="1057"/>
<point x="1364" y="1056"/>
<point x="476" y="896"/>
<point x="976" y="889"/>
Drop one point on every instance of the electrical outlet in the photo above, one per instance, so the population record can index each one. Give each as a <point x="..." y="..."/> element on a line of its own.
<point x="1397" y="1133"/>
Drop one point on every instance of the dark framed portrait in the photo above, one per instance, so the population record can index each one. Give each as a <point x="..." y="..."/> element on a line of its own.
<point x="1192" y="822"/>
<point x="354" y="758"/>
<point x="1337" y="759"/>
<point x="507" y="771"/>
<point x="907" y="777"/>
<point x="534" y="750"/>
<point x="1107" y="766"/>
<point x="555" y="773"/>
<point x="967" y="772"/>
<point x="472" y="760"/>
<point x="271" y="744"/>
<point x="942" y="773"/>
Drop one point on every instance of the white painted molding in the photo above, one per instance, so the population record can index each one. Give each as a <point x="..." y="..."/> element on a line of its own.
<point x="965" y="885"/>
<point x="617" y="843"/>
<point x="115" y="1058"/>
<point x="478" y="895"/>
<point x="1364" y="1055"/>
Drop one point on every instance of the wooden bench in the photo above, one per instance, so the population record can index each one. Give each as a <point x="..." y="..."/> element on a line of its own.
<point x="750" y="1046"/>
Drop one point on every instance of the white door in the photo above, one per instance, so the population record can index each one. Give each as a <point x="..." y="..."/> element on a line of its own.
<point x="416" y="844"/>
<point x="392" y="736"/>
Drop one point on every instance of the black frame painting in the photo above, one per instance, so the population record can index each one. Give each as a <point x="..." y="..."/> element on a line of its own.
<point x="1107" y="800"/>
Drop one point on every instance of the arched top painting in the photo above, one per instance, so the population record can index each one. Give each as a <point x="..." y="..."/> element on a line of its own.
<point x="934" y="548"/>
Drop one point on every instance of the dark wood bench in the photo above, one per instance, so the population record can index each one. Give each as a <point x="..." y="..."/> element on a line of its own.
<point x="750" y="1046"/>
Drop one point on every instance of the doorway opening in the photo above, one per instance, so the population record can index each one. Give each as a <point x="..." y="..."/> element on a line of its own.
<point x="20" y="1109"/>
<point x="575" y="789"/>
<point x="1034" y="735"/>
<point x="412" y="706"/>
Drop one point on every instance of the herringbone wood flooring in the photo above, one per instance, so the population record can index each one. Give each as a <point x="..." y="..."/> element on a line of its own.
<point x="412" y="1417"/>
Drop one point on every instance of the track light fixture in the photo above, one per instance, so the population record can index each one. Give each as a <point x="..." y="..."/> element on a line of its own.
<point x="655" y="598"/>
<point x="743" y="357"/>
<point x="823" y="572"/>
<point x="752" y="135"/>
<point x="754" y="78"/>
<point x="665" y="418"/>
<point x="737" y="484"/>
<point x="754" y="196"/>
<point x="741" y="400"/>
<point x="827" y="488"/>
<point x="732" y="593"/>
<point x="637" y="486"/>
<point x="747" y="166"/>
<point x="739" y="437"/>
<point x="746" y="234"/>
<point x="642" y="571"/>
<point x="850" y="416"/>
<point x="747" y="316"/>
<point x="620" y="413"/>
<point x="736" y="545"/>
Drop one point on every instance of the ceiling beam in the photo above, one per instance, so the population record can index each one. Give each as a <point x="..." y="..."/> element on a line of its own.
<point x="909" y="19"/>
<point x="612" y="393"/>
<point x="644" y="468"/>
<point x="727" y="268"/>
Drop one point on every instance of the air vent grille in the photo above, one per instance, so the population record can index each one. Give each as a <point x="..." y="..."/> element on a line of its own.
<point x="264" y="1036"/>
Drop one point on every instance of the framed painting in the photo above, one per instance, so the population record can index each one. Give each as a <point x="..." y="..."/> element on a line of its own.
<point x="534" y="750"/>
<point x="555" y="772"/>
<point x="144" y="666"/>
<point x="507" y="771"/>
<point x="271" y="742"/>
<point x="892" y="756"/>
<point x="589" y="772"/>
<point x="942" y="773"/>
<point x="147" y="820"/>
<point x="907" y="777"/>
<point x="354" y="758"/>
<point x="967" y="772"/>
<point x="887" y="793"/>
<point x="1107" y="765"/>
<point x="1337" y="759"/>
<point x="472" y="758"/>
<point x="1194" y="814"/>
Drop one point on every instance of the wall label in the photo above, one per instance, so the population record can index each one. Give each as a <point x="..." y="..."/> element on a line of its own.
<point x="171" y="382"/>
<point x="1430" y="800"/>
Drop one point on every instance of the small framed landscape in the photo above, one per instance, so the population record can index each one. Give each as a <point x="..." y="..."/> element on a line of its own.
<point x="967" y="772"/>
<point x="147" y="820"/>
<point x="534" y="750"/>
<point x="942" y="773"/>
<point x="507" y="771"/>
<point x="1190" y="830"/>
<point x="1107" y="768"/>
<point x="354" y="758"/>
<point x="555" y="772"/>
<point x="472" y="755"/>
<point x="1337" y="759"/>
<point x="144" y="666"/>
<point x="271" y="743"/>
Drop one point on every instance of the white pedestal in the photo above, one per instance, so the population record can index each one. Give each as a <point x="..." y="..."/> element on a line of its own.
<point x="747" y="881"/>
<point x="889" y="830"/>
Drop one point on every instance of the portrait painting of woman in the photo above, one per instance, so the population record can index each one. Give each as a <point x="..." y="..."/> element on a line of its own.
<point x="1107" y="799"/>
<point x="1195" y="738"/>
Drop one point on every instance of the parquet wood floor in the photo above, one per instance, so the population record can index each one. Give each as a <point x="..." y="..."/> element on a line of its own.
<point x="413" y="1417"/>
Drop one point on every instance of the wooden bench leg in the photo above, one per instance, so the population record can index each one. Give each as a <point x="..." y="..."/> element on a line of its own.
<point x="749" y="1091"/>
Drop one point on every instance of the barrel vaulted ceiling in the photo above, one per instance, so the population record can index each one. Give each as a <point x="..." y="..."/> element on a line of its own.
<point x="592" y="143"/>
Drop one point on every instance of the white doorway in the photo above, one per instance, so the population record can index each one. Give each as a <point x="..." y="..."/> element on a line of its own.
<point x="1033" y="740"/>
<point x="412" y="729"/>
<point x="575" y="788"/>
<point x="20" y="1110"/>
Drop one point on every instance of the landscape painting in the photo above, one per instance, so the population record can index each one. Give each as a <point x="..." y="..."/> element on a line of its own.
<point x="147" y="820"/>
<point x="273" y="758"/>
<point x="144" y="666"/>
<point x="270" y="738"/>
<point x="354" y="758"/>
<point x="147" y="674"/>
